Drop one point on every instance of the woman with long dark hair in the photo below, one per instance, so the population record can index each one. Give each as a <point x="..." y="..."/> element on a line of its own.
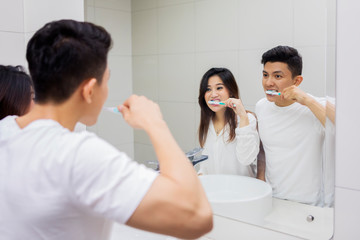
<point x="227" y="131"/>
<point x="16" y="91"/>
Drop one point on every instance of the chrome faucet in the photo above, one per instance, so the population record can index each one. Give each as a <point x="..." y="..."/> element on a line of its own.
<point x="194" y="156"/>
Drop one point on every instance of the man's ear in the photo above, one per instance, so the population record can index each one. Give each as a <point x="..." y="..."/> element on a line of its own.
<point x="298" y="79"/>
<point x="88" y="90"/>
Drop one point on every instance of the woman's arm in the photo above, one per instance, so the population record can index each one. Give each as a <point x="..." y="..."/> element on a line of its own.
<point x="247" y="142"/>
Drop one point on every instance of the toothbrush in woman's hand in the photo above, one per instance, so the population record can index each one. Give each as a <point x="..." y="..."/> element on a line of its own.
<point x="218" y="103"/>
<point x="272" y="92"/>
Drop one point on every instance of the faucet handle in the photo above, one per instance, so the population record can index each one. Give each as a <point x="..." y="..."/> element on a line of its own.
<point x="199" y="159"/>
<point x="191" y="154"/>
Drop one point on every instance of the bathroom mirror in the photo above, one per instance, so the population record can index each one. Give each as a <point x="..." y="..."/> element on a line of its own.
<point x="172" y="43"/>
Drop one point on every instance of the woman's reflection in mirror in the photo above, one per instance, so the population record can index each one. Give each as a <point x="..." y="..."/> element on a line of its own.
<point x="291" y="127"/>
<point x="227" y="131"/>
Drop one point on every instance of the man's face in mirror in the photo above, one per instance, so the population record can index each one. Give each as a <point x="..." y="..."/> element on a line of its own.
<point x="276" y="77"/>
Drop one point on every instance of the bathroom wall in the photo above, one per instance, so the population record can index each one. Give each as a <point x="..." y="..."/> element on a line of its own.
<point x="175" y="42"/>
<point x="347" y="184"/>
<point x="19" y="19"/>
<point x="115" y="17"/>
<point x="12" y="32"/>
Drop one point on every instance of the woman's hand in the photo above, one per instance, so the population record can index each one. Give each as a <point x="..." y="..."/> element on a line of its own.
<point x="239" y="109"/>
<point x="296" y="94"/>
<point x="236" y="105"/>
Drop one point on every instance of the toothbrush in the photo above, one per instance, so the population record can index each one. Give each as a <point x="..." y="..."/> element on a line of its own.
<point x="272" y="92"/>
<point x="218" y="103"/>
<point x="112" y="109"/>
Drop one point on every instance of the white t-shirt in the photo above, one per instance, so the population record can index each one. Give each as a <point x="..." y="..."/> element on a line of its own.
<point x="56" y="184"/>
<point x="237" y="157"/>
<point x="293" y="142"/>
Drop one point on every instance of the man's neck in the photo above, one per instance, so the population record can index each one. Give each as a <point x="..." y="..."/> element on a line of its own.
<point x="284" y="103"/>
<point x="65" y="114"/>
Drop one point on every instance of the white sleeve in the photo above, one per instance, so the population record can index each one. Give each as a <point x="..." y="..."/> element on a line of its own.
<point x="106" y="181"/>
<point x="247" y="142"/>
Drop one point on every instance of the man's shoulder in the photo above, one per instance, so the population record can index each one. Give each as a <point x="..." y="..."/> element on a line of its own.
<point x="260" y="104"/>
<point x="262" y="101"/>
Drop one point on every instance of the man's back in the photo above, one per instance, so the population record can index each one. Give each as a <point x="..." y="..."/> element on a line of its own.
<point x="56" y="184"/>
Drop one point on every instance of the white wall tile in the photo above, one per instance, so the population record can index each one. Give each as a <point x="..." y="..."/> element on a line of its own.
<point x="12" y="49"/>
<point x="309" y="22"/>
<point x="207" y="60"/>
<point x="347" y="212"/>
<point x="145" y="76"/>
<point x="313" y="70"/>
<point x="89" y="2"/>
<point x="118" y="23"/>
<point x="12" y="15"/>
<point x="330" y="70"/>
<point x="180" y="118"/>
<point x="120" y="82"/>
<point x="113" y="128"/>
<point x="124" y="5"/>
<point x="127" y="148"/>
<point x="144" y="32"/>
<point x="162" y="3"/>
<point x="347" y="87"/>
<point x="141" y="137"/>
<point x="145" y="154"/>
<point x="138" y="5"/>
<point x="176" y="29"/>
<point x="177" y="78"/>
<point x="265" y="24"/>
<point x="216" y="25"/>
<point x="89" y="14"/>
<point x="331" y="22"/>
<point x="250" y="76"/>
<point x="39" y="12"/>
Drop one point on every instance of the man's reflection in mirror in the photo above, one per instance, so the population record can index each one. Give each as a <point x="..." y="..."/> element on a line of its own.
<point x="227" y="131"/>
<point x="291" y="128"/>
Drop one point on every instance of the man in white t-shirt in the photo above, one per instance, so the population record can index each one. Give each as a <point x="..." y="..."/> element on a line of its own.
<point x="60" y="184"/>
<point x="291" y="128"/>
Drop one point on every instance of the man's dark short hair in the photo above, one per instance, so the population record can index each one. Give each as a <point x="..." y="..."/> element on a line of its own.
<point x="63" y="54"/>
<point x="284" y="54"/>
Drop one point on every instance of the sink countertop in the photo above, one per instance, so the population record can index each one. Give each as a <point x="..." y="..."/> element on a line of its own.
<point x="290" y="218"/>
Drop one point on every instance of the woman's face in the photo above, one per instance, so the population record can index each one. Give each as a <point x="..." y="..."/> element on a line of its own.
<point x="216" y="91"/>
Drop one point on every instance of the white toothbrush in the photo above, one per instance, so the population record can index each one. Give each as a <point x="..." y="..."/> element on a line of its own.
<point x="272" y="92"/>
<point x="112" y="109"/>
<point x="218" y="103"/>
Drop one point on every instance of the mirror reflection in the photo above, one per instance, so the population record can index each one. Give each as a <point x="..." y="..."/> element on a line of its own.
<point x="175" y="43"/>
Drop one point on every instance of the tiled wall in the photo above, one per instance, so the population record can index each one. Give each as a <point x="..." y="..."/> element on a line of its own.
<point x="19" y="19"/>
<point x="12" y="37"/>
<point x="347" y="191"/>
<point x="175" y="42"/>
<point x="115" y="17"/>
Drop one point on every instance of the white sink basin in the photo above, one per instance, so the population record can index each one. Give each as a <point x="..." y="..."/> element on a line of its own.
<point x="238" y="197"/>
